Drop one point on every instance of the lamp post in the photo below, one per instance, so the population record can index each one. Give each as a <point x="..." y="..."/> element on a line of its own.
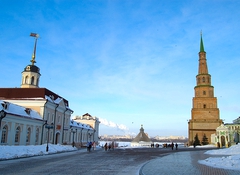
<point x="72" y="130"/>
<point x="48" y="127"/>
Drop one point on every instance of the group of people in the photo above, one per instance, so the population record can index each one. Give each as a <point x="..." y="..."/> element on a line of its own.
<point x="170" y="145"/>
<point x="176" y="145"/>
<point x="91" y="145"/>
<point x="109" y="146"/>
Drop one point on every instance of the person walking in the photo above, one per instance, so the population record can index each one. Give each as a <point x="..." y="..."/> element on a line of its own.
<point x="176" y="145"/>
<point x="172" y="145"/>
<point x="105" y="146"/>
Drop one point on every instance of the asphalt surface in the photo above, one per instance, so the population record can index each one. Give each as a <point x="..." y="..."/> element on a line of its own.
<point x="130" y="161"/>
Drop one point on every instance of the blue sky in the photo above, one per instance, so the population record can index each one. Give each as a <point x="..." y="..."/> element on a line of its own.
<point x="129" y="62"/>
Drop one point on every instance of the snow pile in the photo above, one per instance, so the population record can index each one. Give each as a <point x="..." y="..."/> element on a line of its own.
<point x="230" y="161"/>
<point x="11" y="152"/>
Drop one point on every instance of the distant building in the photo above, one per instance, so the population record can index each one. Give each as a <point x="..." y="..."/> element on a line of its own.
<point x="227" y="134"/>
<point x="141" y="139"/>
<point x="205" y="113"/>
<point x="91" y="121"/>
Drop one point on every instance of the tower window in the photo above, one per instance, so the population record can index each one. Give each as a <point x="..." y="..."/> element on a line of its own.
<point x="204" y="92"/>
<point x="204" y="106"/>
<point x="203" y="79"/>
<point x="26" y="80"/>
<point x="32" y="80"/>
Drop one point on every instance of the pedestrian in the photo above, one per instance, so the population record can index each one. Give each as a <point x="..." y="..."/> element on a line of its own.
<point x="113" y="145"/>
<point x="94" y="145"/>
<point x="176" y="145"/>
<point x="105" y="146"/>
<point x="172" y="145"/>
<point x="88" y="146"/>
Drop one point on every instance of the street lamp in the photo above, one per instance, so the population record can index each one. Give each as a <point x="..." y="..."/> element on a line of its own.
<point x="72" y="130"/>
<point x="48" y="127"/>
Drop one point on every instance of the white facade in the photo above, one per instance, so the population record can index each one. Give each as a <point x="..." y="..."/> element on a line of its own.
<point x="20" y="125"/>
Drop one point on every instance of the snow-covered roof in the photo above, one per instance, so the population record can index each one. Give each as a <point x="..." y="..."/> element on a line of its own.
<point x="80" y="125"/>
<point x="14" y="109"/>
<point x="57" y="101"/>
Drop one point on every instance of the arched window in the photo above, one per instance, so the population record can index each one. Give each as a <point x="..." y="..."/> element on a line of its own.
<point x="52" y="118"/>
<point x="28" y="135"/>
<point x="48" y="118"/>
<point x="37" y="135"/>
<point x="4" y="134"/>
<point x="17" y="135"/>
<point x="32" y="80"/>
<point x="203" y="79"/>
<point x="204" y="106"/>
<point x="26" y="80"/>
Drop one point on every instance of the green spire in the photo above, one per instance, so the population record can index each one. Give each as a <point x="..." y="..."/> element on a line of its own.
<point x="201" y="44"/>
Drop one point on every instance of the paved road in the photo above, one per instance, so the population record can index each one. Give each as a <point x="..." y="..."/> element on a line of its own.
<point x="99" y="162"/>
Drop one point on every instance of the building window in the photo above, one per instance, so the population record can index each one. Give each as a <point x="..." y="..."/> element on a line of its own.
<point x="52" y="118"/>
<point x="37" y="135"/>
<point x="48" y="118"/>
<point x="26" y="80"/>
<point x="32" y="80"/>
<point x="204" y="92"/>
<point x="66" y="122"/>
<point x="204" y="106"/>
<point x="59" y="118"/>
<point x="28" y="135"/>
<point x="203" y="79"/>
<point x="4" y="134"/>
<point x="17" y="135"/>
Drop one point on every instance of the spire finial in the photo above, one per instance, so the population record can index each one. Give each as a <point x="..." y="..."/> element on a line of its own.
<point x="35" y="45"/>
<point x="201" y="43"/>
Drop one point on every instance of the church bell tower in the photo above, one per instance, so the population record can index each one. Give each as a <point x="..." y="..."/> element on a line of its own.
<point x="205" y="113"/>
<point x="31" y="73"/>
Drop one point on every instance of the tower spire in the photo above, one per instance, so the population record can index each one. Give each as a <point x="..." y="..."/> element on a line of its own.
<point x="35" y="45"/>
<point x="201" y="44"/>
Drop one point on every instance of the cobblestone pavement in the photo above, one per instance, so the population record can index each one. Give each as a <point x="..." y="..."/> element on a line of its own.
<point x="183" y="163"/>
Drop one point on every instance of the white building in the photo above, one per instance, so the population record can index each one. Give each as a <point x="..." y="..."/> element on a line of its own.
<point x="54" y="114"/>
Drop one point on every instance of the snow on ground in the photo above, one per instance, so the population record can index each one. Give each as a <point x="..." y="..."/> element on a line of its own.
<point x="12" y="152"/>
<point x="231" y="160"/>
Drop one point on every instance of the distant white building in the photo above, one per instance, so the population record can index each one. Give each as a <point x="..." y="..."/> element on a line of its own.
<point x="227" y="134"/>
